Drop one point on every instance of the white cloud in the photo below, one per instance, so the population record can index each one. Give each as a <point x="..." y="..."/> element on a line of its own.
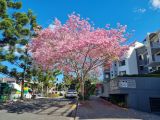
<point x="155" y="4"/>
<point x="51" y="26"/>
<point x="139" y="10"/>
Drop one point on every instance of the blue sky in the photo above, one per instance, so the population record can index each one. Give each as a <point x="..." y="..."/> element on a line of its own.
<point x="140" y="15"/>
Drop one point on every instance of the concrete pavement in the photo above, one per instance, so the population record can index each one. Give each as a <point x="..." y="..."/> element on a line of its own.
<point x="59" y="109"/>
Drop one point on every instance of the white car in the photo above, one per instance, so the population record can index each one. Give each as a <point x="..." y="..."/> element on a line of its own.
<point x="71" y="94"/>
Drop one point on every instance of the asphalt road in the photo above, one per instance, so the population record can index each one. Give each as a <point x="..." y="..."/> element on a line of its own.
<point x="39" y="109"/>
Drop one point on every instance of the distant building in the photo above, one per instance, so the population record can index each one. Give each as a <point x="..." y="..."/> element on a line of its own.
<point x="7" y="80"/>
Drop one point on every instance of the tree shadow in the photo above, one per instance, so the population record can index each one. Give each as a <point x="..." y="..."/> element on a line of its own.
<point x="34" y="106"/>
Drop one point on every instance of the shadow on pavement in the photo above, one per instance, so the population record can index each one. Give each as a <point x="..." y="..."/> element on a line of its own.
<point x="36" y="106"/>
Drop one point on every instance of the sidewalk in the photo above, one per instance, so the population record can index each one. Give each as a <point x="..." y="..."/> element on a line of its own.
<point x="99" y="109"/>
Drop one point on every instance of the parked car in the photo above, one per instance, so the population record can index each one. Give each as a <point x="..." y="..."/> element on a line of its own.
<point x="71" y="93"/>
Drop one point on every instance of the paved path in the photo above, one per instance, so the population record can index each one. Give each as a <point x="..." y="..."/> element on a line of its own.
<point x="40" y="109"/>
<point x="99" y="109"/>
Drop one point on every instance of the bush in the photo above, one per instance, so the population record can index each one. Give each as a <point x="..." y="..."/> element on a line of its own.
<point x="142" y="75"/>
<point x="4" y="98"/>
<point x="53" y="95"/>
<point x="117" y="100"/>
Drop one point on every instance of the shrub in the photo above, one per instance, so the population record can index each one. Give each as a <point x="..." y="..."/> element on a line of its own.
<point x="53" y="95"/>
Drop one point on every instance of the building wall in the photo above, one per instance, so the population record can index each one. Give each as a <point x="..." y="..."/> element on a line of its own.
<point x="132" y="63"/>
<point x="123" y="68"/>
<point x="148" y="45"/>
<point x="142" y="62"/>
<point x="105" y="92"/>
<point x="138" y="97"/>
<point x="113" y="70"/>
<point x="130" y="66"/>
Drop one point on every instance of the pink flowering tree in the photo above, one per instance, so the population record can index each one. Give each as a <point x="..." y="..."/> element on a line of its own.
<point x="78" y="48"/>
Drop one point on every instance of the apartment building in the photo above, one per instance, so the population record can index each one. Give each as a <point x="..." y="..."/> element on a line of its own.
<point x="141" y="54"/>
<point x="141" y="58"/>
<point x="128" y="63"/>
<point x="140" y="93"/>
<point x="152" y="43"/>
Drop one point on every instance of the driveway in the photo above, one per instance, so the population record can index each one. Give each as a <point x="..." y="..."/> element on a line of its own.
<point x="99" y="109"/>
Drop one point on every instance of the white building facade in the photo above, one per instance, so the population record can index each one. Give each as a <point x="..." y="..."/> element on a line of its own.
<point x="127" y="64"/>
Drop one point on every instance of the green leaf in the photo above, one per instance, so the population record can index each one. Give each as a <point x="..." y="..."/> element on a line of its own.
<point x="3" y="7"/>
<point x="15" y="5"/>
<point x="25" y="32"/>
<point x="9" y="57"/>
<point x="6" y="23"/>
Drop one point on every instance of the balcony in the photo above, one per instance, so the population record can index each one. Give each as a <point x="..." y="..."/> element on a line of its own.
<point x="155" y="44"/>
<point x="157" y="58"/>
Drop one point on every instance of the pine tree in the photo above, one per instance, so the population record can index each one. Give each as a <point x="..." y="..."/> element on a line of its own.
<point x="16" y="30"/>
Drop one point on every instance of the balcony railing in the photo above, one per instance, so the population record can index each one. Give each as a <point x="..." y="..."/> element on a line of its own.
<point x="157" y="58"/>
<point x="126" y="83"/>
<point x="155" y="44"/>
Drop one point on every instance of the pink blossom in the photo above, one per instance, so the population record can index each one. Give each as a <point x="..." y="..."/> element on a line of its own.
<point x="77" y="46"/>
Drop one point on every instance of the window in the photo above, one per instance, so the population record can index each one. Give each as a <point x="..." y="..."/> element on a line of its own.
<point x="122" y="63"/>
<point x="141" y="67"/>
<point x="140" y="57"/>
<point x="150" y="70"/>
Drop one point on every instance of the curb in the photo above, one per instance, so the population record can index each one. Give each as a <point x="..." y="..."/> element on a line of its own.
<point x="71" y="110"/>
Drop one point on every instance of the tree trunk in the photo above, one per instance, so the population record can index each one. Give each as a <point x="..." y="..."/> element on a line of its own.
<point x="42" y="89"/>
<point x="47" y="91"/>
<point x="82" y="89"/>
<point x="22" y="89"/>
